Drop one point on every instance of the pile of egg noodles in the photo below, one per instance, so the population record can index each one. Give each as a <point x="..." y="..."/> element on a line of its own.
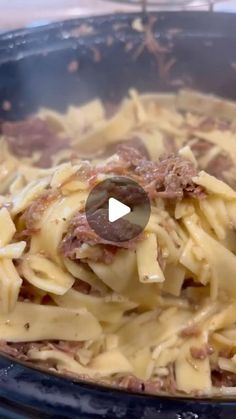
<point x="141" y="318"/>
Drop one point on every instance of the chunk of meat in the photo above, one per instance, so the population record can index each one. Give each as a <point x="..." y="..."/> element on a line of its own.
<point x="135" y="384"/>
<point x="34" y="134"/>
<point x="201" y="352"/>
<point x="82" y="286"/>
<point x="103" y="250"/>
<point x="169" y="178"/>
<point x="8" y="350"/>
<point x="223" y="378"/>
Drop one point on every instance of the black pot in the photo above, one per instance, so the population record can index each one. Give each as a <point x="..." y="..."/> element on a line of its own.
<point x="70" y="63"/>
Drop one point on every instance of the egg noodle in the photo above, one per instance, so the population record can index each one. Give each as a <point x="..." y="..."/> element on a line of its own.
<point x="158" y="316"/>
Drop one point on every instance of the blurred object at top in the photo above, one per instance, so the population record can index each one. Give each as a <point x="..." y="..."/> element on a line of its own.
<point x="19" y="13"/>
<point x="170" y="4"/>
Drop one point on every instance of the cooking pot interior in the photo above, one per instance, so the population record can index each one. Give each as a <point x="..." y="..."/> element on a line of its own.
<point x="74" y="61"/>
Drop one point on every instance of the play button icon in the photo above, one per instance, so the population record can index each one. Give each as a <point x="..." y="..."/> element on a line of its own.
<point x="117" y="209"/>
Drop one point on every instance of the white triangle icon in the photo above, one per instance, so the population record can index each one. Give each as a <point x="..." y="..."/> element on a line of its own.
<point x="116" y="210"/>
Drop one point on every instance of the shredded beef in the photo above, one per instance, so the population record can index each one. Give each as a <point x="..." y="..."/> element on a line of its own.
<point x="82" y="286"/>
<point x="130" y="157"/>
<point x="200" y="148"/>
<point x="121" y="231"/>
<point x="210" y="123"/>
<point x="85" y="173"/>
<point x="134" y="142"/>
<point x="169" y="178"/>
<point x="189" y="282"/>
<point x="33" y="134"/>
<point x="34" y="213"/>
<point x="226" y="353"/>
<point x="165" y="384"/>
<point x="80" y="233"/>
<point x="201" y="352"/>
<point x="189" y="331"/>
<point x="207" y="124"/>
<point x="20" y="350"/>
<point x="133" y="383"/>
<point x="8" y="350"/>
<point x="223" y="378"/>
<point x="70" y="347"/>
<point x="138" y="144"/>
<point x="170" y="145"/>
<point x="169" y="382"/>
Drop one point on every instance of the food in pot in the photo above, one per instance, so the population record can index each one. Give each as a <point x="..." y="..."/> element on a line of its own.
<point x="155" y="313"/>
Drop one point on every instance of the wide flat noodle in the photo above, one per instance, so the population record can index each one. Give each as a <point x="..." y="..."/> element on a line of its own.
<point x="174" y="279"/>
<point x="108" y="131"/>
<point x="215" y="137"/>
<point x="103" y="308"/>
<point x="33" y="322"/>
<point x="46" y="275"/>
<point x="12" y="251"/>
<point x="113" y="274"/>
<point x="214" y="210"/>
<point x="191" y="100"/>
<point x="150" y="330"/>
<point x="149" y="269"/>
<point x="214" y="186"/>
<point x="27" y="195"/>
<point x="82" y="271"/>
<point x="7" y="227"/>
<point x="10" y="283"/>
<point x="158" y="99"/>
<point x="140" y="362"/>
<point x="221" y="260"/>
<point x="103" y="365"/>
<point x="55" y="222"/>
<point x="193" y="374"/>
